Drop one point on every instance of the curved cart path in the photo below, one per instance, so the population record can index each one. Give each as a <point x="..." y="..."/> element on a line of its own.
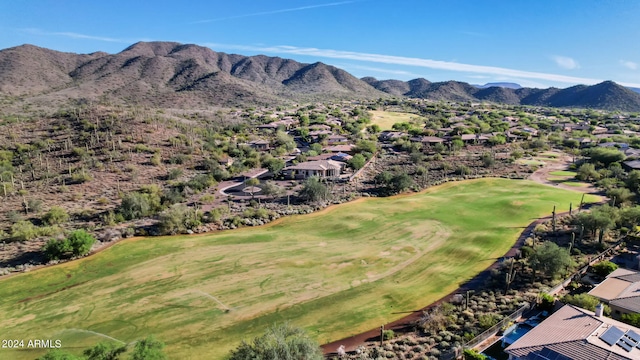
<point x="406" y="323"/>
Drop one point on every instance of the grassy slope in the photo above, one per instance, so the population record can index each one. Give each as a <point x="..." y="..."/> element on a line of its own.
<point x="386" y="119"/>
<point x="338" y="272"/>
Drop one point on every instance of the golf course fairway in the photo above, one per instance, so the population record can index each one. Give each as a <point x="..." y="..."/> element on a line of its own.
<point x="337" y="272"/>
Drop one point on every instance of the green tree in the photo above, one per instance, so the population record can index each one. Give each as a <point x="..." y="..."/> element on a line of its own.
<point x="286" y="140"/>
<point x="279" y="342"/>
<point x="456" y="145"/>
<point x="604" y="268"/>
<point x="270" y="188"/>
<point x="80" y="242"/>
<point x="605" y="156"/>
<point x="587" y="172"/>
<point x="366" y="146"/>
<point x="497" y="140"/>
<point x="471" y="354"/>
<point x="275" y="165"/>
<point x="55" y="215"/>
<point x="631" y="319"/>
<point x="630" y="217"/>
<point x="604" y="218"/>
<point x="104" y="351"/>
<point x="313" y="190"/>
<point x="621" y="196"/>
<point x="633" y="181"/>
<point x="550" y="259"/>
<point x="585" y="301"/>
<point x="56" y="249"/>
<point x="400" y="182"/>
<point x="357" y="162"/>
<point x="149" y="348"/>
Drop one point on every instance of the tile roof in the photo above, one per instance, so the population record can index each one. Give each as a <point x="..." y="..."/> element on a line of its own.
<point x="621" y="288"/>
<point x="572" y="333"/>
<point x="316" y="165"/>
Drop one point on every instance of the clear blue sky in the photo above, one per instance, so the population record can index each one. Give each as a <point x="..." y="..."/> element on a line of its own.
<point x="536" y="43"/>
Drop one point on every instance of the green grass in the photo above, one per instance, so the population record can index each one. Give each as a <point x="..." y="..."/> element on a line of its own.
<point x="337" y="273"/>
<point x="575" y="183"/>
<point x="563" y="173"/>
<point x="386" y="119"/>
<point x="530" y="162"/>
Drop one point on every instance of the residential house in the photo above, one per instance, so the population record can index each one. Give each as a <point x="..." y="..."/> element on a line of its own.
<point x="428" y="140"/>
<point x="474" y="138"/>
<point x="391" y="135"/>
<point x="621" y="146"/>
<point x="575" y="333"/>
<point x="621" y="290"/>
<point x="631" y="165"/>
<point x="336" y="139"/>
<point x="344" y="148"/>
<point x="319" y="168"/>
<point x="260" y="145"/>
<point x="599" y="130"/>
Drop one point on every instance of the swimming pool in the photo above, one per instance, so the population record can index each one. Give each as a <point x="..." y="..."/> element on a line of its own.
<point x="519" y="330"/>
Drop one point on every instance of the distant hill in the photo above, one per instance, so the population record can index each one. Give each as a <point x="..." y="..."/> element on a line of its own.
<point x="507" y="85"/>
<point x="606" y="95"/>
<point x="169" y="74"/>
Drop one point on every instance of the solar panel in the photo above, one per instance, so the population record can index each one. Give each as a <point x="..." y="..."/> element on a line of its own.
<point x="548" y="354"/>
<point x="633" y="336"/>
<point x="612" y="335"/>
<point x="624" y="345"/>
<point x="629" y="340"/>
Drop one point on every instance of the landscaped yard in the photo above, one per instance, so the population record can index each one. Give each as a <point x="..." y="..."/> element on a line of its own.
<point x="386" y="119"/>
<point x="336" y="273"/>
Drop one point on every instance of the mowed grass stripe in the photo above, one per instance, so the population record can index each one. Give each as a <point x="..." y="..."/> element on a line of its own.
<point x="337" y="272"/>
<point x="386" y="119"/>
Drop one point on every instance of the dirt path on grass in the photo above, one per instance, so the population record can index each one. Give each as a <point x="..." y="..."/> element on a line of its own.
<point x="541" y="176"/>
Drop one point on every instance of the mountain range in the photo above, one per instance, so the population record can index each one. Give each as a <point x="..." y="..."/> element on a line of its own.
<point x="169" y="74"/>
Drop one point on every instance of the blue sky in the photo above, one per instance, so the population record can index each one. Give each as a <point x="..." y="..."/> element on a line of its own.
<point x="534" y="43"/>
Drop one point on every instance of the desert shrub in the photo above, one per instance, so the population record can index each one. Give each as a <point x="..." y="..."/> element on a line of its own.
<point x="55" y="215"/>
<point x="463" y="170"/>
<point x="155" y="159"/>
<point x="388" y="334"/>
<point x="486" y="321"/>
<point x="81" y="177"/>
<point x="179" y="218"/>
<point x="604" y="268"/>
<point x="136" y="205"/>
<point x="174" y="173"/>
<point x="207" y="199"/>
<point x="200" y="182"/>
<point x="79" y="242"/>
<point x="24" y="230"/>
<point x="34" y="205"/>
